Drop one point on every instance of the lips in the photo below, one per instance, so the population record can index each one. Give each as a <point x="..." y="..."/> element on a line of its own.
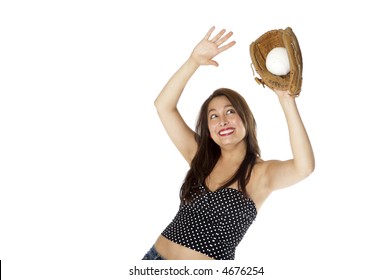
<point x="226" y="131"/>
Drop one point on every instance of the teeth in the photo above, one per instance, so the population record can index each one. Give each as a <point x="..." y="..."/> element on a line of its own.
<point x="226" y="132"/>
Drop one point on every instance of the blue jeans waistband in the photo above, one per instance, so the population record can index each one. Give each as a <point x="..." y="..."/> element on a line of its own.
<point x="152" y="254"/>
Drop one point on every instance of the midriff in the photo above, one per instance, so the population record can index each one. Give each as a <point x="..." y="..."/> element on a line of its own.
<point x="173" y="251"/>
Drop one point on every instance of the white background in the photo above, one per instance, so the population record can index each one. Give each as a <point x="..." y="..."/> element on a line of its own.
<point x="89" y="179"/>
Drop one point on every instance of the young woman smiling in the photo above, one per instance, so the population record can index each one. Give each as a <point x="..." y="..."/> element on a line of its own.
<point x="228" y="181"/>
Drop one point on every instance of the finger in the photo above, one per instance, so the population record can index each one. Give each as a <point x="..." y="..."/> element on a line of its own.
<point x="218" y="36"/>
<point x="213" y="62"/>
<point x="209" y="33"/>
<point x="227" y="46"/>
<point x="224" y="38"/>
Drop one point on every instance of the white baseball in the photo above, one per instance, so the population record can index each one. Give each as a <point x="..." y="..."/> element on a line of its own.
<point x="277" y="61"/>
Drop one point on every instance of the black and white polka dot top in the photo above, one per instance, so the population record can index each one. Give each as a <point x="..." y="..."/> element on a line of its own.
<point x="213" y="223"/>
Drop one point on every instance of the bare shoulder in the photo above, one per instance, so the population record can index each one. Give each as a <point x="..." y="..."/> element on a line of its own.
<point x="258" y="187"/>
<point x="259" y="175"/>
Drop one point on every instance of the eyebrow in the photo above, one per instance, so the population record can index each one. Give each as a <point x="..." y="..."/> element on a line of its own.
<point x="210" y="110"/>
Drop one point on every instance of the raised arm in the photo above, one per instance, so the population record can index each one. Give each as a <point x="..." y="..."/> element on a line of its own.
<point x="286" y="173"/>
<point x="166" y="102"/>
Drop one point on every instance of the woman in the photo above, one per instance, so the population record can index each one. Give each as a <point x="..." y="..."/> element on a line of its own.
<point x="228" y="181"/>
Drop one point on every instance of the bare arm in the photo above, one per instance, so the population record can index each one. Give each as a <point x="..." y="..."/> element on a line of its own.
<point x="286" y="173"/>
<point x="166" y="102"/>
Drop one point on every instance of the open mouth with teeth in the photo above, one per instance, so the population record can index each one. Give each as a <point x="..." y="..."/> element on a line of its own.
<point x="226" y="131"/>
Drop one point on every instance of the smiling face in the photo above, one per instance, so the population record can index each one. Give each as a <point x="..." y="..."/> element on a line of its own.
<point x="224" y="123"/>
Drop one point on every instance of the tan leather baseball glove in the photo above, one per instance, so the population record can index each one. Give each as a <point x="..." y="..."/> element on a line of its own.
<point x="259" y="50"/>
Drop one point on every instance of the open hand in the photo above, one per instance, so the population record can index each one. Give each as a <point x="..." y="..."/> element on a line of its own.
<point x="207" y="48"/>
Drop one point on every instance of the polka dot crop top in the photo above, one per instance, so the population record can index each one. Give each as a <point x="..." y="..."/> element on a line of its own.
<point x="213" y="223"/>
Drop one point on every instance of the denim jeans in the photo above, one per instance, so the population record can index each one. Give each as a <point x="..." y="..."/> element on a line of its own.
<point x="152" y="254"/>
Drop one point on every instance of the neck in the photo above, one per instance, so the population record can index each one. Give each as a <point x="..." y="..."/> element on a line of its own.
<point x="234" y="155"/>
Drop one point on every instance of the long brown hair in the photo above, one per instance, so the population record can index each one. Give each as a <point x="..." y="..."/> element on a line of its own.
<point x="209" y="152"/>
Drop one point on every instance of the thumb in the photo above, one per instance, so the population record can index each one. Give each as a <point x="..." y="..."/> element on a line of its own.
<point x="213" y="62"/>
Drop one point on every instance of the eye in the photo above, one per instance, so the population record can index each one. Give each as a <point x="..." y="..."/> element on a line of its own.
<point x="230" y="111"/>
<point x="213" y="116"/>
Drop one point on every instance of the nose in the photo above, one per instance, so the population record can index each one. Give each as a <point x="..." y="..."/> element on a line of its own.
<point x="223" y="122"/>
